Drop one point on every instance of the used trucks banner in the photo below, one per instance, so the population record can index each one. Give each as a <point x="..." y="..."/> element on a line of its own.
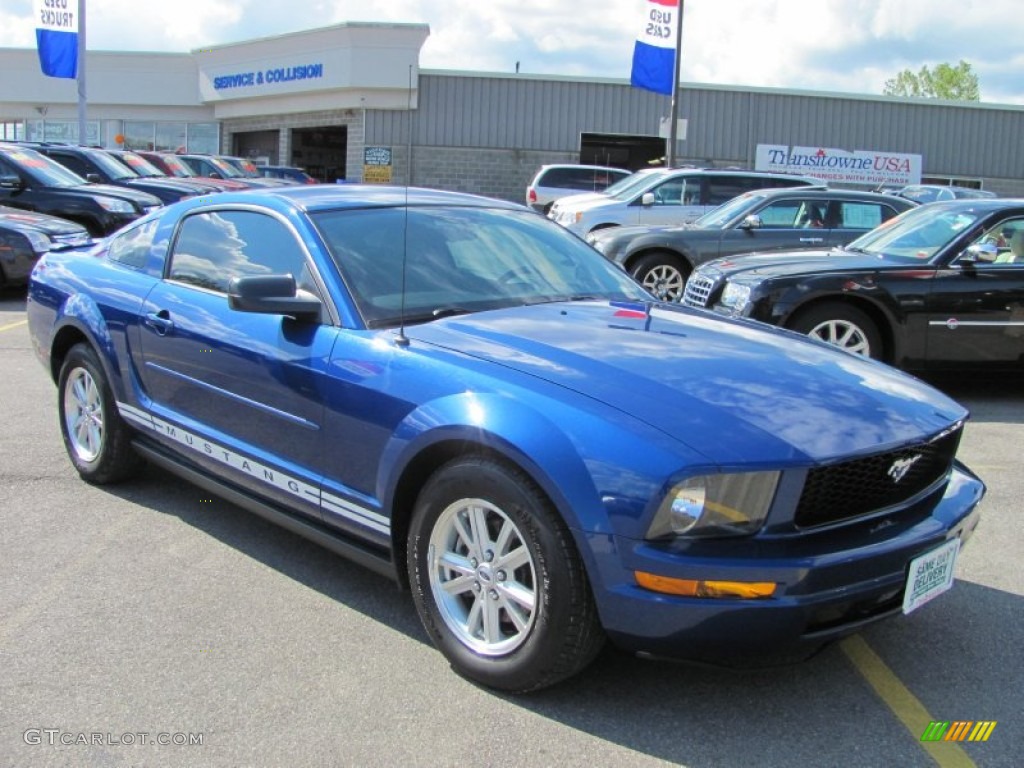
<point x="841" y="165"/>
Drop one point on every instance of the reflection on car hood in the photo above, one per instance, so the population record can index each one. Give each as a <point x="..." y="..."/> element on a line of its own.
<point x="781" y="263"/>
<point x="755" y="394"/>
<point x="571" y="201"/>
<point x="26" y="220"/>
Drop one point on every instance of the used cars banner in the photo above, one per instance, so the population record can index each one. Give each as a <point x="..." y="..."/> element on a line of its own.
<point x="857" y="167"/>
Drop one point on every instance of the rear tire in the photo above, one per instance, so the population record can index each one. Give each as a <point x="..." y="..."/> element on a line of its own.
<point x="662" y="273"/>
<point x="842" y="326"/>
<point x="497" y="580"/>
<point x="97" y="440"/>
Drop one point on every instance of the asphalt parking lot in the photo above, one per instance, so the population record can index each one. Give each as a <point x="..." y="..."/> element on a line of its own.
<point x="150" y="612"/>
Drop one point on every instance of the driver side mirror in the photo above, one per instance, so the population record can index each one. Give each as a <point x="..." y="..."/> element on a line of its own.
<point x="10" y="182"/>
<point x="979" y="252"/>
<point x="753" y="221"/>
<point x="272" y="295"/>
<point x="647" y="200"/>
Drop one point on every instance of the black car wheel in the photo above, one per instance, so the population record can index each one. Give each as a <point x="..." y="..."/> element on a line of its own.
<point x="663" y="274"/>
<point x="97" y="440"/>
<point x="842" y="326"/>
<point x="497" y="580"/>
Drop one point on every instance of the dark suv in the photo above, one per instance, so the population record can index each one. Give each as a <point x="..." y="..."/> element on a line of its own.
<point x="34" y="182"/>
<point x="97" y="166"/>
<point x="764" y="220"/>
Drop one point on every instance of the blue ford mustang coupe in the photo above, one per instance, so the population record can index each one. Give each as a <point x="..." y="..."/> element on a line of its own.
<point x="462" y="395"/>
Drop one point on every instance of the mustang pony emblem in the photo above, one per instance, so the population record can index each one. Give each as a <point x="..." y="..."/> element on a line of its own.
<point x="899" y="468"/>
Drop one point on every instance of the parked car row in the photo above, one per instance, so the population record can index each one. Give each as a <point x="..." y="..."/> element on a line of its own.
<point x="74" y="194"/>
<point x="662" y="258"/>
<point x="664" y="196"/>
<point x="940" y="286"/>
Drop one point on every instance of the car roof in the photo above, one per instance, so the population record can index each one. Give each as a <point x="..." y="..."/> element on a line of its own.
<point x="325" y="197"/>
<point x="825" y="192"/>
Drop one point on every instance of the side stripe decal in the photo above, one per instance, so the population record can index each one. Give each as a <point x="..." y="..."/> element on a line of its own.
<point x="284" y="482"/>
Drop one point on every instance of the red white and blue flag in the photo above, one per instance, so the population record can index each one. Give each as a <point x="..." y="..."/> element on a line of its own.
<point x="57" y="37"/>
<point x="655" y="49"/>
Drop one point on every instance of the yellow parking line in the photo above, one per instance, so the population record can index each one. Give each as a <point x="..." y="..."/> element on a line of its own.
<point x="907" y="708"/>
<point x="13" y="325"/>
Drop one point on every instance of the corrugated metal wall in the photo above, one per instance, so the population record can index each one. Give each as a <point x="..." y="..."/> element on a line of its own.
<point x="725" y="124"/>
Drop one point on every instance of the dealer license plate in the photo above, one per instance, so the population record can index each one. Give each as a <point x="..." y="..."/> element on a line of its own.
<point x="930" y="575"/>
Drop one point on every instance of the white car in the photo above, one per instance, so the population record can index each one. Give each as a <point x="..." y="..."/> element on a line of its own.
<point x="657" y="196"/>
<point x="553" y="182"/>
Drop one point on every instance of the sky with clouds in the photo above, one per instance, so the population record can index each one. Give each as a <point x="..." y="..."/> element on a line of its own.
<point x="820" y="45"/>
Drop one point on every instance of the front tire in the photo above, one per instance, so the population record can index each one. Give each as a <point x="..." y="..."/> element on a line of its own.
<point x="663" y="274"/>
<point x="842" y="326"/>
<point x="97" y="441"/>
<point x="497" y="580"/>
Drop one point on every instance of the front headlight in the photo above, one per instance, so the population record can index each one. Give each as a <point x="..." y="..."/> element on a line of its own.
<point x="114" y="205"/>
<point x="733" y="504"/>
<point x="735" y="296"/>
<point x="40" y="243"/>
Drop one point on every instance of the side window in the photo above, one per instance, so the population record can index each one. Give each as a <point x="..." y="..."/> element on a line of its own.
<point x="673" y="192"/>
<point x="131" y="246"/>
<point x="215" y="246"/>
<point x="1003" y="243"/>
<point x="724" y="188"/>
<point x="72" y="163"/>
<point x="783" y="214"/>
<point x="862" y="215"/>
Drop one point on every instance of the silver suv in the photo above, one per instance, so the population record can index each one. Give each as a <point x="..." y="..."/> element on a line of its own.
<point x="555" y="181"/>
<point x="664" y="196"/>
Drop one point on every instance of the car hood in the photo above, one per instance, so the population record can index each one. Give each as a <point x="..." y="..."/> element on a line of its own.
<point x="40" y="222"/>
<point x="140" y="198"/>
<point x="751" y="393"/>
<point x="781" y="263"/>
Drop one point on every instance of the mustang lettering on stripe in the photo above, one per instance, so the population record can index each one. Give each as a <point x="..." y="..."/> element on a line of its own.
<point x="256" y="470"/>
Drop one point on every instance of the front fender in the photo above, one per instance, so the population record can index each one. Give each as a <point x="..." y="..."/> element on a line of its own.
<point x="600" y="471"/>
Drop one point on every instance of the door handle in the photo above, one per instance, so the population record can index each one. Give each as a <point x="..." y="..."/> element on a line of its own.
<point x="160" y="322"/>
<point x="812" y="239"/>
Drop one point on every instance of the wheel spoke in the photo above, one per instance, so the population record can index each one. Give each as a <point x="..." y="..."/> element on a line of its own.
<point x="517" y="558"/>
<point x="514" y="613"/>
<point x="492" y="619"/>
<point x="478" y="524"/>
<point x="519" y="593"/>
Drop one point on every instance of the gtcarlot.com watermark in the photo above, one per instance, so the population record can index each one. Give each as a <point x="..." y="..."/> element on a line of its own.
<point x="56" y="737"/>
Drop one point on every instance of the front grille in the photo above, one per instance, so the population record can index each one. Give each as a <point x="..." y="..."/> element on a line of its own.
<point x="698" y="289"/>
<point x="865" y="486"/>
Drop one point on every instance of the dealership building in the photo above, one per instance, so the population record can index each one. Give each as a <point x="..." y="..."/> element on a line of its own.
<point x="350" y="102"/>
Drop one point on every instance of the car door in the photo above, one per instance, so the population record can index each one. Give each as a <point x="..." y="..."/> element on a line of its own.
<point x="976" y="308"/>
<point x="675" y="201"/>
<point x="241" y="392"/>
<point x="784" y="224"/>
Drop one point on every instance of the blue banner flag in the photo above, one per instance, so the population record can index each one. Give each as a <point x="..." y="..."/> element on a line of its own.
<point x="655" y="49"/>
<point x="57" y="37"/>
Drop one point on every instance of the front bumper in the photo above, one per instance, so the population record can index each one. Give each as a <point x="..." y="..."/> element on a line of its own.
<point x="830" y="584"/>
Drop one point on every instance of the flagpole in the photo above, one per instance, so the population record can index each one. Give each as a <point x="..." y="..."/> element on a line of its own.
<point x="82" y="138"/>
<point x="670" y="159"/>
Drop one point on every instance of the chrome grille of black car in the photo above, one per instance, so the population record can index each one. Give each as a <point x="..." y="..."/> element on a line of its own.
<point x="698" y="289"/>
<point x="868" y="485"/>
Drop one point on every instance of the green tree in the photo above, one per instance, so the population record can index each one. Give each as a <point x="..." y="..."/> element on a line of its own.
<point x="957" y="83"/>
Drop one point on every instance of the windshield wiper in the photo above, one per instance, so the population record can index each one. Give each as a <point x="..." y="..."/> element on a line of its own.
<point x="450" y="311"/>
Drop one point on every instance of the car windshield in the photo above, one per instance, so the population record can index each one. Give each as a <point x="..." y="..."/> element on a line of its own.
<point x="629" y="186"/>
<point x="738" y="207"/>
<point x="226" y="169"/>
<point x="461" y="260"/>
<point x="113" y="168"/>
<point x="44" y="170"/>
<point x="917" y="234"/>
<point x="139" y="164"/>
<point x="176" y="166"/>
